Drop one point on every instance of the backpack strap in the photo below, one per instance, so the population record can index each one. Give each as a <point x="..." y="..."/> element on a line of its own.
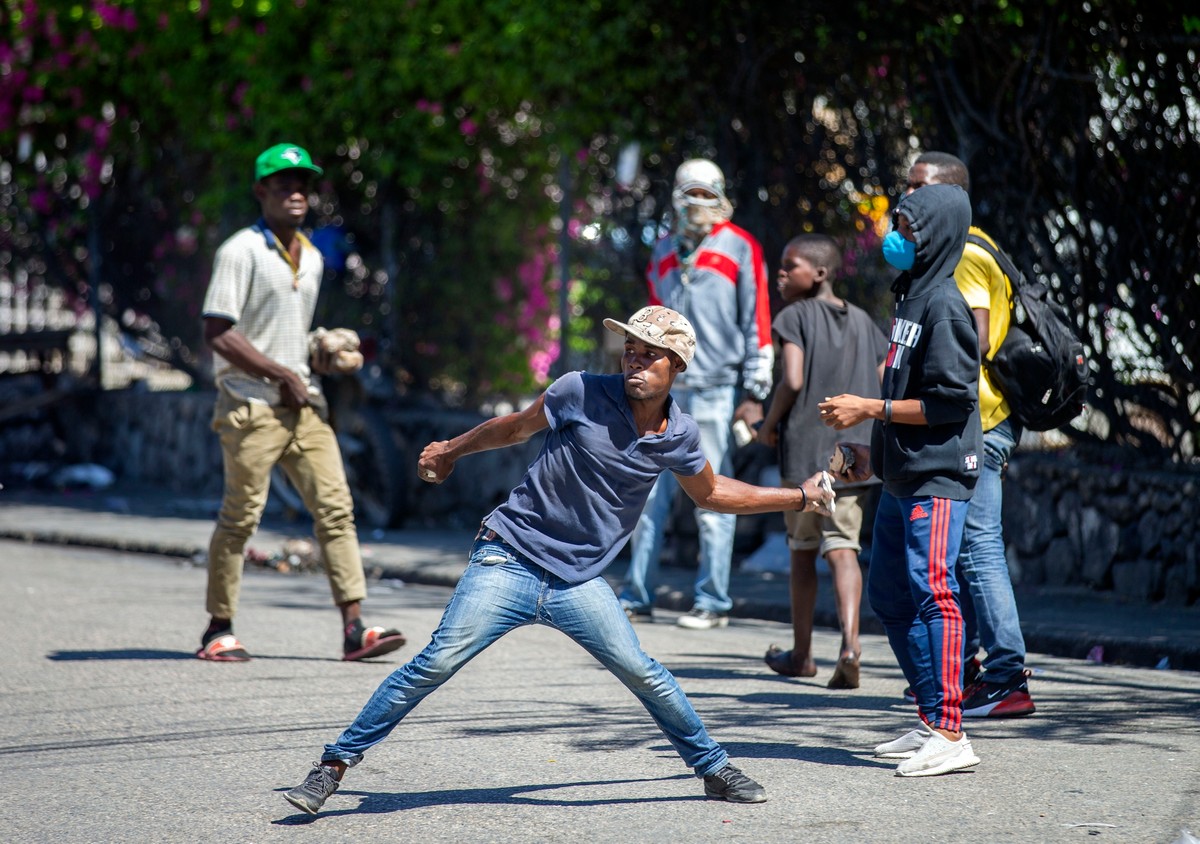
<point x="1015" y="276"/>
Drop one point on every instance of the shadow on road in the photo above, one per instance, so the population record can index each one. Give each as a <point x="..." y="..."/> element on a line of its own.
<point x="384" y="803"/>
<point x="151" y="654"/>
<point x="119" y="653"/>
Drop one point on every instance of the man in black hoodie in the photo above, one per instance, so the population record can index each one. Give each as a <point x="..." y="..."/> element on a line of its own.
<point x="925" y="446"/>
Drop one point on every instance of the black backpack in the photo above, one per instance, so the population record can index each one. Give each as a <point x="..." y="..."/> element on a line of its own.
<point x="1040" y="366"/>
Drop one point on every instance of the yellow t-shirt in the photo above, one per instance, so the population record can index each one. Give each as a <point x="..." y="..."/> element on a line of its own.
<point x="984" y="285"/>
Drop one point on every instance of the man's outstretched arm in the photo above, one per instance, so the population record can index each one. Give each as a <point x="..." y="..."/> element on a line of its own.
<point x="438" y="458"/>
<point x="721" y="494"/>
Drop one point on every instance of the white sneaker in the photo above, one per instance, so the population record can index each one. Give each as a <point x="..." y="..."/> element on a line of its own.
<point x="939" y="756"/>
<point x="702" y="620"/>
<point x="906" y="746"/>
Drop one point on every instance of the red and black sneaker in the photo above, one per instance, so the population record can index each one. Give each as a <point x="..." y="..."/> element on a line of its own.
<point x="1000" y="700"/>
<point x="972" y="671"/>
<point x="369" y="642"/>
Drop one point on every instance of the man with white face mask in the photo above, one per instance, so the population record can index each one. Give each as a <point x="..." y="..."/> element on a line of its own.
<point x="713" y="273"/>
<point x="699" y="201"/>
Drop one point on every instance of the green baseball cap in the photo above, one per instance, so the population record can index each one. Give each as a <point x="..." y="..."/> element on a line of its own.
<point x="283" y="157"/>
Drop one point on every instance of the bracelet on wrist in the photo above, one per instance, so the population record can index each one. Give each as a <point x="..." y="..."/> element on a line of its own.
<point x="758" y="392"/>
<point x="804" y="504"/>
<point x="887" y="411"/>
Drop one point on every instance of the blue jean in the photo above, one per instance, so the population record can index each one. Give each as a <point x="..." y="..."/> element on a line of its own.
<point x="712" y="408"/>
<point x="911" y="587"/>
<point x="501" y="590"/>
<point x="990" y="615"/>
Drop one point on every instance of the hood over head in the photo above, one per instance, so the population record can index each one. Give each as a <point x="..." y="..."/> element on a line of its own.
<point x="940" y="216"/>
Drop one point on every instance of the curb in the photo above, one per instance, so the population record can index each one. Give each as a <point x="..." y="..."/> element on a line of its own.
<point x="109" y="543"/>
<point x="1039" y="636"/>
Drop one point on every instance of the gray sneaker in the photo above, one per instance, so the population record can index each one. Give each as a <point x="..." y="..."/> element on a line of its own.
<point x="731" y="784"/>
<point x="311" y="794"/>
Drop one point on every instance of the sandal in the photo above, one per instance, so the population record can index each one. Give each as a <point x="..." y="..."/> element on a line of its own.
<point x="374" y="641"/>
<point x="224" y="649"/>
<point x="845" y="674"/>
<point x="780" y="662"/>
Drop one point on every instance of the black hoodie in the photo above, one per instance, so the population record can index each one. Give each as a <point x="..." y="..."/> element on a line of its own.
<point x="934" y="357"/>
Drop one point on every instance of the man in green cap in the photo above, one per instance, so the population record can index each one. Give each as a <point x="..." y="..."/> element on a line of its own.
<point x="270" y="409"/>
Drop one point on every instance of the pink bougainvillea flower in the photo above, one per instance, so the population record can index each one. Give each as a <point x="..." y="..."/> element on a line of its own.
<point x="109" y="15"/>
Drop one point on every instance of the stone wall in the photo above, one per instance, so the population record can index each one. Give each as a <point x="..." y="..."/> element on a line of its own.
<point x="156" y="439"/>
<point x="165" y="440"/>
<point x="1097" y="521"/>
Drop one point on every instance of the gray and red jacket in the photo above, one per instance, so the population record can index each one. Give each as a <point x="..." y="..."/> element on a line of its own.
<point x="721" y="287"/>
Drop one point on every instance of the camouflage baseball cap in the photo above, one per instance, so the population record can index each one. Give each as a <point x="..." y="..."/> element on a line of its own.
<point x="283" y="157"/>
<point x="660" y="327"/>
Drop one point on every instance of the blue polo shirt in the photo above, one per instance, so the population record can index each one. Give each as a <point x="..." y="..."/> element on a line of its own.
<point x="581" y="498"/>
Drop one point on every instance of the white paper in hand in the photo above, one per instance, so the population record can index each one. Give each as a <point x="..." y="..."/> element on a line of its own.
<point x="827" y="485"/>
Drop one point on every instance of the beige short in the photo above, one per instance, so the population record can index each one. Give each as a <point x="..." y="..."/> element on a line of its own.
<point x="806" y="531"/>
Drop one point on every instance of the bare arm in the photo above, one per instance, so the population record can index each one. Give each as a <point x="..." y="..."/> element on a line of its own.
<point x="843" y="411"/>
<point x="785" y="393"/>
<point x="982" y="327"/>
<point x="720" y="494"/>
<point x="232" y="345"/>
<point x="438" y="458"/>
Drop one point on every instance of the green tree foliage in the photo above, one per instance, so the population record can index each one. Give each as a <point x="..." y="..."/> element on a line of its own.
<point x="451" y="132"/>
<point x="443" y="128"/>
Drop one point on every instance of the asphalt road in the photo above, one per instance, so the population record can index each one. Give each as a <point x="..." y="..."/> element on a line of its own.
<point x="111" y="732"/>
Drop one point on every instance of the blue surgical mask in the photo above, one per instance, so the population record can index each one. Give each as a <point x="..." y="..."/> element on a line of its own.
<point x="898" y="252"/>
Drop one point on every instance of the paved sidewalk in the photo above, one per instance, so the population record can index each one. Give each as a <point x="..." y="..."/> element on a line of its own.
<point x="1067" y="622"/>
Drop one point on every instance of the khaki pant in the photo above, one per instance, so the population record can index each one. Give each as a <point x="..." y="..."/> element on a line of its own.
<point x="807" y="531"/>
<point x="254" y="437"/>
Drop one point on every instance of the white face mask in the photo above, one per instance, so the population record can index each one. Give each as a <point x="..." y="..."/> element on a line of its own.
<point x="696" y="215"/>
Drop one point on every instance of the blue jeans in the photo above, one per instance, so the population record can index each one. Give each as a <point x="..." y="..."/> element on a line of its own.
<point x="501" y="590"/>
<point x="912" y="589"/>
<point x="712" y="408"/>
<point x="991" y="614"/>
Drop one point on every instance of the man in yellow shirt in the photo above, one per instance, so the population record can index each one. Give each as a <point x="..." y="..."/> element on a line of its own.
<point x="1000" y="686"/>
